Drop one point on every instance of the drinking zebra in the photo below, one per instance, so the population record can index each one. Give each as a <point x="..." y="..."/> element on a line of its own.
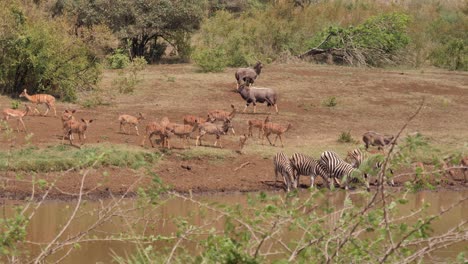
<point x="338" y="168"/>
<point x="284" y="167"/>
<point x="307" y="166"/>
<point x="358" y="157"/>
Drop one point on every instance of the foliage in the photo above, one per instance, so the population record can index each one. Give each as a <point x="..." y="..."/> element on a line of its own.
<point x="31" y="58"/>
<point x="118" y="60"/>
<point x="64" y="157"/>
<point x="346" y="137"/>
<point x="372" y="42"/>
<point x="12" y="232"/>
<point x="139" y="25"/>
<point x="330" y="102"/>
<point x="128" y="77"/>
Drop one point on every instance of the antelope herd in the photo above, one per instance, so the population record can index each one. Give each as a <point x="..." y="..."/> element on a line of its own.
<point x="330" y="167"/>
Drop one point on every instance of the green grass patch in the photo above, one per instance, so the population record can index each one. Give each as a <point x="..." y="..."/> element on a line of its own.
<point x="63" y="157"/>
<point x="207" y="152"/>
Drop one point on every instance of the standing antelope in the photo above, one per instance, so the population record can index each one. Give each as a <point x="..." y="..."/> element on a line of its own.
<point x="254" y="95"/>
<point x="213" y="129"/>
<point x="131" y="120"/>
<point x="192" y="120"/>
<point x="248" y="75"/>
<point x="36" y="99"/>
<point x="155" y="128"/>
<point x="67" y="115"/>
<point x="182" y="131"/>
<point x="221" y="115"/>
<point x="273" y="128"/>
<point x="13" y="113"/>
<point x="259" y="124"/>
<point x="79" y="128"/>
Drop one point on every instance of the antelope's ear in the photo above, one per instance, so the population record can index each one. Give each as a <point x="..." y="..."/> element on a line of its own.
<point x="82" y="120"/>
<point x="90" y="121"/>
<point x="73" y="111"/>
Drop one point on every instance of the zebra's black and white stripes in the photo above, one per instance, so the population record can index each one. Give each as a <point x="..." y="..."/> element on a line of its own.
<point x="358" y="157"/>
<point x="307" y="166"/>
<point x="338" y="168"/>
<point x="284" y="167"/>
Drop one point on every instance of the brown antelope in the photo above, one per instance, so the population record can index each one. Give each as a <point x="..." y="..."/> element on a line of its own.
<point x="79" y="128"/>
<point x="155" y="128"/>
<point x="191" y="120"/>
<point x="258" y="124"/>
<point x="221" y="115"/>
<point x="182" y="131"/>
<point x="13" y="113"/>
<point x="273" y="128"/>
<point x="36" y="99"/>
<point x="213" y="129"/>
<point x="67" y="115"/>
<point x="242" y="140"/>
<point x="130" y="120"/>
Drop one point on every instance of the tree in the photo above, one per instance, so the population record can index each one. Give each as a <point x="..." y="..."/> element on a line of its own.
<point x="140" y="25"/>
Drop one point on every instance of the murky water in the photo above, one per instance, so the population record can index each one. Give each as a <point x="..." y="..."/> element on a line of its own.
<point x="52" y="215"/>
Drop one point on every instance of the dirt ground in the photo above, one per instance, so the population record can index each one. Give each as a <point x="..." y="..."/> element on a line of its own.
<point x="367" y="99"/>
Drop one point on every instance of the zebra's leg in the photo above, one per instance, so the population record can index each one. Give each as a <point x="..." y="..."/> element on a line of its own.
<point x="312" y="180"/>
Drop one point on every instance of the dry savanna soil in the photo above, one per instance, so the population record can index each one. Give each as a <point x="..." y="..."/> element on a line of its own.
<point x="366" y="99"/>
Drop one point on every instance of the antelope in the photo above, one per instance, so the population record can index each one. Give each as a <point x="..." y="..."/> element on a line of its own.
<point x="213" y="129"/>
<point x="192" y="120"/>
<point x="254" y="95"/>
<point x="273" y="128"/>
<point x="221" y="115"/>
<point x="259" y="124"/>
<point x="67" y="115"/>
<point x="131" y="120"/>
<point x="182" y="131"/>
<point x="376" y="139"/>
<point x="248" y="75"/>
<point x="155" y="128"/>
<point x="36" y="99"/>
<point x="13" y="113"/>
<point x="79" y="128"/>
<point x="242" y="140"/>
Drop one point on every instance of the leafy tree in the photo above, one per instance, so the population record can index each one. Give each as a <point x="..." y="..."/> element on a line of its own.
<point x="41" y="56"/>
<point x="140" y="25"/>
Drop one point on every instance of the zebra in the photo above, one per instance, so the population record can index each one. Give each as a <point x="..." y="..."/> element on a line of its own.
<point x="358" y="157"/>
<point x="338" y="168"/>
<point x="307" y="166"/>
<point x="283" y="165"/>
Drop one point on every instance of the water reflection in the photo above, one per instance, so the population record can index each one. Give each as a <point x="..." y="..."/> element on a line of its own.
<point x="52" y="215"/>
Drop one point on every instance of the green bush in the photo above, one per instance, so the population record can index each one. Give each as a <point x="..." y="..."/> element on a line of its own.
<point x="330" y="102"/>
<point x="213" y="60"/>
<point x="118" y="60"/>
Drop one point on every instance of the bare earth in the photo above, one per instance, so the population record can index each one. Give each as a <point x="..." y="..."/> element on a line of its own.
<point x="367" y="99"/>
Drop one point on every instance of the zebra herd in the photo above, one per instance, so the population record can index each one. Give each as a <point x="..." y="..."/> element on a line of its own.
<point x="330" y="167"/>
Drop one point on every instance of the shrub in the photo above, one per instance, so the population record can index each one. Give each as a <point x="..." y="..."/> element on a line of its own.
<point x="118" y="60"/>
<point x="345" y="137"/>
<point x="213" y="60"/>
<point x="330" y="102"/>
<point x="128" y="77"/>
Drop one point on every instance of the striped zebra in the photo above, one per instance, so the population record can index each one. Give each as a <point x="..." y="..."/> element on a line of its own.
<point x="307" y="166"/>
<point x="284" y="167"/>
<point x="338" y="168"/>
<point x="358" y="157"/>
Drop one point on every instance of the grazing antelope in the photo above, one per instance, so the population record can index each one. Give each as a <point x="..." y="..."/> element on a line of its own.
<point x="79" y="128"/>
<point x="13" y="113"/>
<point x="258" y="124"/>
<point x="182" y="131"/>
<point x="36" y="99"/>
<point x="254" y="95"/>
<point x="273" y="128"/>
<point x="155" y="128"/>
<point x="130" y="120"/>
<point x="221" y="115"/>
<point x="192" y="120"/>
<point x="375" y="139"/>
<point x="213" y="129"/>
<point x="248" y="75"/>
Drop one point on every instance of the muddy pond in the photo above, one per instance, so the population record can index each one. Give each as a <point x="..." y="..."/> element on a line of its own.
<point x="53" y="215"/>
